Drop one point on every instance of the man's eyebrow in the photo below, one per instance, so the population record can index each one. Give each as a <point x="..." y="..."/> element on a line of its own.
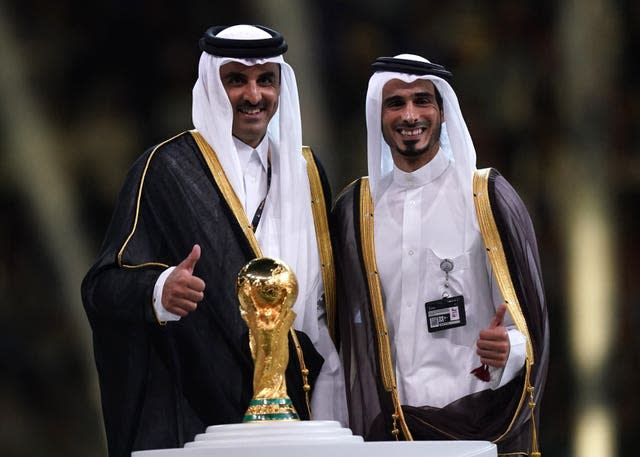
<point x="393" y="98"/>
<point x="234" y="74"/>
<point x="423" y="94"/>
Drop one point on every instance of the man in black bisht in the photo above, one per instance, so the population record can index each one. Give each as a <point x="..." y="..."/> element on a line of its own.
<point x="441" y="309"/>
<point x="170" y="345"/>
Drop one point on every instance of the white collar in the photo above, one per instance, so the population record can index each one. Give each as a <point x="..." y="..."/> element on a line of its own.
<point x="429" y="172"/>
<point x="245" y="152"/>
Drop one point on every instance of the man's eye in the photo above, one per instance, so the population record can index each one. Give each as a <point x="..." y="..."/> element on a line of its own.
<point x="267" y="81"/>
<point x="234" y="81"/>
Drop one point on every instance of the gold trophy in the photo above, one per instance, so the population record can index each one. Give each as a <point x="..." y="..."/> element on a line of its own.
<point x="267" y="289"/>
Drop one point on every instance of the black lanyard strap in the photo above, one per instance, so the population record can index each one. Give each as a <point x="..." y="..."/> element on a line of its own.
<point x="258" y="214"/>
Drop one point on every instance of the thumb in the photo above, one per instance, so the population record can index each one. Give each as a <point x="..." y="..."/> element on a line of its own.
<point x="498" y="319"/>
<point x="190" y="262"/>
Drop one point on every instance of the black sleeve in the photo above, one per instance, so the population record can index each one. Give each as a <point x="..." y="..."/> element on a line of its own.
<point x="119" y="286"/>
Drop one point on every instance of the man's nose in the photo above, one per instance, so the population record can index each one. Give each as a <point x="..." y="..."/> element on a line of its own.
<point x="409" y="114"/>
<point x="252" y="93"/>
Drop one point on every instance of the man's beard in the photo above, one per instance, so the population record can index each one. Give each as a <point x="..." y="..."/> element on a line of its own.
<point x="411" y="151"/>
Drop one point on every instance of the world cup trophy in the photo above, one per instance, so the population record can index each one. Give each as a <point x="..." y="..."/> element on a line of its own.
<point x="267" y="289"/>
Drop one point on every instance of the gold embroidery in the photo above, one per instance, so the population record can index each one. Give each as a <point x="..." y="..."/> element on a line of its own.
<point x="377" y="307"/>
<point x="227" y="190"/>
<point x="495" y="252"/>
<point x="323" y="238"/>
<point x="498" y="260"/>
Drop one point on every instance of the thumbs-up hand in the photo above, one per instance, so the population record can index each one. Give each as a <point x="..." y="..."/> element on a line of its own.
<point x="493" y="342"/>
<point x="182" y="290"/>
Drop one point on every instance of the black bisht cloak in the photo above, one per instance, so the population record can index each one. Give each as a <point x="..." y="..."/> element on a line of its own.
<point x="501" y="416"/>
<point x="161" y="385"/>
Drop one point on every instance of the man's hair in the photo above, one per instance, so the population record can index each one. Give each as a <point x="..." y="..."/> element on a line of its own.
<point x="438" y="97"/>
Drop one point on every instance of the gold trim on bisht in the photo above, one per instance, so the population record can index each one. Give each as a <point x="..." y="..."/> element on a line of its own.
<point x="228" y="193"/>
<point x="375" y="292"/>
<point x="498" y="260"/>
<point x="325" y="251"/>
<point x="496" y="254"/>
<point x="238" y="211"/>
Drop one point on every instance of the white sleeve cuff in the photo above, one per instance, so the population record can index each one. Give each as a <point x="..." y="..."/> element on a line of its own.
<point x="517" y="355"/>
<point x="161" y="313"/>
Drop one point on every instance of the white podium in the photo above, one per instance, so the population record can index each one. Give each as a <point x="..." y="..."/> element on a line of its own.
<point x="311" y="439"/>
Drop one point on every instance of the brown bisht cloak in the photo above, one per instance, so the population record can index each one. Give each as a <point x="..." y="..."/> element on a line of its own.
<point x="161" y="385"/>
<point x="506" y="416"/>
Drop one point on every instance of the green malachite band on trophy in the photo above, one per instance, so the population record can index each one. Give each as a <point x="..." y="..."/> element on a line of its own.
<point x="272" y="409"/>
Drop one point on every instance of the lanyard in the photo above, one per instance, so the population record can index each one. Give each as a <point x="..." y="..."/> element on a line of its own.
<point x="258" y="214"/>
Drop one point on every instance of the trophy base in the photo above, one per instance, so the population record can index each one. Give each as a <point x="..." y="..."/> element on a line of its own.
<point x="270" y="409"/>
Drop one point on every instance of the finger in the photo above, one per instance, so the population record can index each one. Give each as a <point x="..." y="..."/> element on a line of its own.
<point x="172" y="307"/>
<point x="490" y="352"/>
<point x="190" y="262"/>
<point x="178" y="311"/>
<point x="493" y="360"/>
<point x="186" y="281"/>
<point x="498" y="319"/>
<point x="498" y="362"/>
<point x="492" y="346"/>
<point x="182" y="307"/>
<point x="196" y="284"/>
<point x="189" y="295"/>
<point x="494" y="334"/>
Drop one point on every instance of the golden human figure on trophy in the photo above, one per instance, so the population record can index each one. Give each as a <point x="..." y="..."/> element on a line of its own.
<point x="267" y="289"/>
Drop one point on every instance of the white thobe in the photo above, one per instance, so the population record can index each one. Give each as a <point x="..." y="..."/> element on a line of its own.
<point x="254" y="163"/>
<point x="421" y="218"/>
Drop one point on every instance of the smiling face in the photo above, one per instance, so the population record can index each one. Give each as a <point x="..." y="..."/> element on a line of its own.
<point x="253" y="92"/>
<point x="411" y="122"/>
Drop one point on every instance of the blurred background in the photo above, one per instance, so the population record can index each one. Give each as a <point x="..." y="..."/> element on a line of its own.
<point x="550" y="92"/>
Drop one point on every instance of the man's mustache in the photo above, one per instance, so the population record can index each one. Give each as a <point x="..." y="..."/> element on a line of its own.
<point x="249" y="106"/>
<point x="414" y="125"/>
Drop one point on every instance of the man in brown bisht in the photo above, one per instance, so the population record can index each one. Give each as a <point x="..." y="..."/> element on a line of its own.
<point x="441" y="310"/>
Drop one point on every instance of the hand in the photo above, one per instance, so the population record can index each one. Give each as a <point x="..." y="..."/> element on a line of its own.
<point x="182" y="290"/>
<point x="493" y="342"/>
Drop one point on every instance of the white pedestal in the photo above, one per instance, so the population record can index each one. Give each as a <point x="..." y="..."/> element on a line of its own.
<point x="311" y="439"/>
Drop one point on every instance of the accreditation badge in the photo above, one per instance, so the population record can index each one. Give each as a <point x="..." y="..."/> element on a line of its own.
<point x="448" y="312"/>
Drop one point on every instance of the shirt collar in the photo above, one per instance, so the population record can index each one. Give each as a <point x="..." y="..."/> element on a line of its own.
<point x="423" y="175"/>
<point x="245" y="152"/>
